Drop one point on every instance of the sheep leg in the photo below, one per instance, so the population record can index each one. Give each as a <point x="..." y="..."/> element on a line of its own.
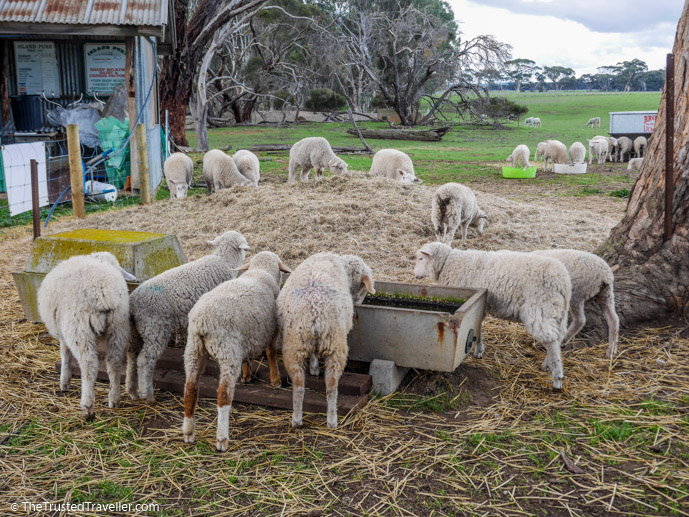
<point x="319" y="173"/>
<point x="314" y="369"/>
<point x="226" y="386"/>
<point x="194" y="365"/>
<point x="294" y="354"/>
<point x="298" y="380"/>
<point x="465" y="230"/>
<point x="66" y="367"/>
<point x="333" y="372"/>
<point x="444" y="233"/>
<point x="88" y="364"/>
<point x="478" y="347"/>
<point x="554" y="359"/>
<point x="292" y="172"/>
<point x="154" y="345"/>
<point x="578" y="321"/>
<point x="305" y="174"/>
<point x="272" y="355"/>
<point x="606" y="300"/>
<point x="246" y="373"/>
<point x="132" y="377"/>
<point x="113" y="364"/>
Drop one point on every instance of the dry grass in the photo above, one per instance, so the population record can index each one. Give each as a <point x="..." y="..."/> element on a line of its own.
<point x="614" y="441"/>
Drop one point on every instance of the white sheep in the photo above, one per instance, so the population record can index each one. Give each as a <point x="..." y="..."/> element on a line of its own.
<point x="220" y="171"/>
<point x="520" y="157"/>
<point x="248" y="165"/>
<point x="555" y="152"/>
<point x="455" y="205"/>
<point x="599" y="148"/>
<point x="593" y="122"/>
<point x="577" y="153"/>
<point x="624" y="146"/>
<point x="536" y="122"/>
<point x="528" y="121"/>
<point x="179" y="169"/>
<point x="635" y="164"/>
<point x="82" y="301"/>
<point x="315" y="311"/>
<point x="233" y="324"/>
<point x="160" y="306"/>
<point x="611" y="142"/>
<point x="521" y="287"/>
<point x="592" y="279"/>
<point x="313" y="153"/>
<point x="540" y="151"/>
<point x="640" y="145"/>
<point x="394" y="165"/>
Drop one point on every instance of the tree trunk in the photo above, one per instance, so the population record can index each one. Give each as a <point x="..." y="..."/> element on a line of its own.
<point x="652" y="276"/>
<point x="425" y="135"/>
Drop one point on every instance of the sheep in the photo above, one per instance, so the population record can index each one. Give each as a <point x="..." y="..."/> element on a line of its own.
<point x="611" y="143"/>
<point x="178" y="169"/>
<point x="82" y="301"/>
<point x="455" y="205"/>
<point x="635" y="164"/>
<point x="577" y="153"/>
<point x="536" y="122"/>
<point x="640" y="145"/>
<point x="248" y="165"/>
<point x="220" y="171"/>
<point x="555" y="152"/>
<point x="592" y="279"/>
<point x="315" y="311"/>
<point x="520" y="157"/>
<point x="540" y="151"/>
<point x="233" y="323"/>
<point x="160" y="306"/>
<point x="528" y="121"/>
<point x="593" y="122"/>
<point x="599" y="148"/>
<point x="624" y="146"/>
<point x="313" y="153"/>
<point x="394" y="165"/>
<point x="521" y="287"/>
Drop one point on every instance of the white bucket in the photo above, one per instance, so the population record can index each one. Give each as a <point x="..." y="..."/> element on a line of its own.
<point x="100" y="191"/>
<point x="565" y="168"/>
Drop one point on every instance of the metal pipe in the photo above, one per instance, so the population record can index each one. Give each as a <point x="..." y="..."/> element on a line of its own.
<point x="669" y="144"/>
<point x="35" y="202"/>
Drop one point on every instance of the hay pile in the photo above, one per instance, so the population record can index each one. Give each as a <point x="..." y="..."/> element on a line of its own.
<point x="380" y="220"/>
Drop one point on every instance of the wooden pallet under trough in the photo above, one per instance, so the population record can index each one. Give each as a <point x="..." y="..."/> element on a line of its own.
<point x="169" y="375"/>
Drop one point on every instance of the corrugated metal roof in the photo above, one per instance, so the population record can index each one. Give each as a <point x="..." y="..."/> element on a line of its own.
<point x="152" y="13"/>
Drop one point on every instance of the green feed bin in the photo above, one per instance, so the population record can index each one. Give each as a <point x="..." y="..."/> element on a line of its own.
<point x="517" y="172"/>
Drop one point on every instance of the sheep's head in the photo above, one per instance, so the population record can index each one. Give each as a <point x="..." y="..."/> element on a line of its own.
<point x="338" y="166"/>
<point x="110" y="260"/>
<point x="179" y="188"/>
<point x="479" y="222"/>
<point x="407" y="177"/>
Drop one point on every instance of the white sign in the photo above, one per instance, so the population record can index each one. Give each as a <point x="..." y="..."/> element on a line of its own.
<point x="16" y="163"/>
<point x="649" y="123"/>
<point x="105" y="64"/>
<point x="36" y="68"/>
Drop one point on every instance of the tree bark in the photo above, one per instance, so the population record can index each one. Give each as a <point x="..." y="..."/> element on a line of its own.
<point x="652" y="276"/>
<point x="426" y="135"/>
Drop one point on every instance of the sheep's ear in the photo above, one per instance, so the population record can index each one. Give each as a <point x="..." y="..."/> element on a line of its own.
<point x="426" y="250"/>
<point x="418" y="180"/>
<point x="243" y="267"/>
<point x="245" y="247"/>
<point x="284" y="268"/>
<point x="214" y="242"/>
<point x="127" y="275"/>
<point x="173" y="182"/>
<point x="482" y="215"/>
<point x="401" y="172"/>
<point x="368" y="283"/>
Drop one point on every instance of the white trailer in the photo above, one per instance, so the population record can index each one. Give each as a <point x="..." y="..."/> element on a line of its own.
<point x="632" y="123"/>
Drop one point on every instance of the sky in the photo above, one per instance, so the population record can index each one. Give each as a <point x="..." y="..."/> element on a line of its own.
<point x="580" y="34"/>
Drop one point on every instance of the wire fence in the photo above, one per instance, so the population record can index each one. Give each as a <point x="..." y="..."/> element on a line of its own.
<point x="105" y="186"/>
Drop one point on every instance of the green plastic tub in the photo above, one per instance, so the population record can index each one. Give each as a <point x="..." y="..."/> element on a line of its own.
<point x="512" y="172"/>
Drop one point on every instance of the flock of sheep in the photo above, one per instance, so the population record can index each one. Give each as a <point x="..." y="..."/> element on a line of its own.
<point x="233" y="319"/>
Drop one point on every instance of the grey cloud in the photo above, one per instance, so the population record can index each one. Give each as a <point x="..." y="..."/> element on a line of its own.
<point x="600" y="16"/>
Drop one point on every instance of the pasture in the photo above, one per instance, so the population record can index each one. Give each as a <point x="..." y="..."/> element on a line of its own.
<point x="491" y="438"/>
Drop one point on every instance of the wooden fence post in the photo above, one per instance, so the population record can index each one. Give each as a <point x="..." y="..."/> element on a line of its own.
<point x="35" y="202"/>
<point x="142" y="154"/>
<point x="76" y="171"/>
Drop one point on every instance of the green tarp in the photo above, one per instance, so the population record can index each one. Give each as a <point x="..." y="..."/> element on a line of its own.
<point x="112" y="134"/>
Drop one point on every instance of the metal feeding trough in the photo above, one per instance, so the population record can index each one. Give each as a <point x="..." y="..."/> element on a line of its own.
<point x="415" y="326"/>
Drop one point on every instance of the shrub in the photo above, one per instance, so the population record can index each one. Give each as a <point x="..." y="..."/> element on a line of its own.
<point x="324" y="99"/>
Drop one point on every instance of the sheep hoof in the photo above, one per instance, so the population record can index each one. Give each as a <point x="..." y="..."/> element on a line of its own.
<point x="276" y="383"/>
<point x="332" y="425"/>
<point x="296" y="424"/>
<point x="245" y="379"/>
<point x="64" y="389"/>
<point x="114" y="404"/>
<point x="315" y="371"/>
<point x="557" y="384"/>
<point x="88" y="412"/>
<point x="134" y="395"/>
<point x="222" y="445"/>
<point x="545" y="366"/>
<point x="189" y="437"/>
<point x="148" y="399"/>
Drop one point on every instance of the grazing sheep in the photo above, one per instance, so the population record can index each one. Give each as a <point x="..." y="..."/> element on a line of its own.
<point x="521" y="287"/>
<point x="540" y="151"/>
<point x="577" y="153"/>
<point x="593" y="122"/>
<point x="624" y="146"/>
<point x="233" y="323"/>
<point x="248" y="165"/>
<point x="536" y="122"/>
<point x="611" y="142"/>
<point x="528" y="121"/>
<point x="592" y="279"/>
<point x="220" y="171"/>
<point x="640" y="145"/>
<point x="599" y="148"/>
<point x="555" y="152"/>
<point x="82" y="301"/>
<point x="455" y="205"/>
<point x="160" y="306"/>
<point x="178" y="169"/>
<point x="394" y="165"/>
<point x="635" y="164"/>
<point x="520" y="157"/>
<point x="313" y="153"/>
<point x="315" y="311"/>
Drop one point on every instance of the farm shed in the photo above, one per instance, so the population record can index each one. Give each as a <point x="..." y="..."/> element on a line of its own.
<point x="75" y="52"/>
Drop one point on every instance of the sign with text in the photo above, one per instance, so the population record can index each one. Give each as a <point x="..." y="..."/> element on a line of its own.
<point x="649" y="123"/>
<point x="104" y="64"/>
<point x="36" y="68"/>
